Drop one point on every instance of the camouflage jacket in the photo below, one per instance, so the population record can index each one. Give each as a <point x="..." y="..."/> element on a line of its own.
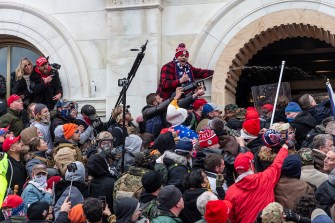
<point x="129" y="185"/>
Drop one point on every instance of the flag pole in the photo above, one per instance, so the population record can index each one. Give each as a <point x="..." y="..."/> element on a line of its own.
<point x="277" y="93"/>
<point x="331" y="96"/>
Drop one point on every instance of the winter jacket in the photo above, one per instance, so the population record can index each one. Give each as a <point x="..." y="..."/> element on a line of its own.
<point x="169" y="82"/>
<point x="177" y="168"/>
<point x="13" y="119"/>
<point x="3" y="87"/>
<point x="43" y="93"/>
<point x="19" y="176"/>
<point x="31" y="194"/>
<point x="288" y="190"/>
<point x="146" y="198"/>
<point x="3" y="180"/>
<point x="21" y="88"/>
<point x="312" y="175"/>
<point x="162" y="215"/>
<point x="320" y="112"/>
<point x="3" y="107"/>
<point x="254" y="192"/>
<point x="76" y="198"/>
<point x="102" y="183"/>
<point x="190" y="213"/>
<point x="63" y="217"/>
<point x="88" y="133"/>
<point x="319" y="157"/>
<point x="255" y="144"/>
<point x="130" y="185"/>
<point x="302" y="123"/>
<point x="325" y="194"/>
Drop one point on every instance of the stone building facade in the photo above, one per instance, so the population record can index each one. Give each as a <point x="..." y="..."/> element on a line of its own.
<point x="92" y="39"/>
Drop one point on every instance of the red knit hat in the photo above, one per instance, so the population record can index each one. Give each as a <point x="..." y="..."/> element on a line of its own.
<point x="9" y="142"/>
<point x="268" y="107"/>
<point x="207" y="138"/>
<point x="12" y="98"/>
<point x="243" y="161"/>
<point x="53" y="180"/>
<point x="251" y="109"/>
<point x="217" y="211"/>
<point x="251" y="114"/>
<point x="12" y="201"/>
<point x="252" y="126"/>
<point x="199" y="102"/>
<point x="181" y="50"/>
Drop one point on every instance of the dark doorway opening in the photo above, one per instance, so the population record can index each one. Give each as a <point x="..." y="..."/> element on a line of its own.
<point x="309" y="62"/>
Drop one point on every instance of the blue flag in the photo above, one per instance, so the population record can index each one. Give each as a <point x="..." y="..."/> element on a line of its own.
<point x="331" y="96"/>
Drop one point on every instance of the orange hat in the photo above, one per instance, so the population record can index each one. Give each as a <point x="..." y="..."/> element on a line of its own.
<point x="76" y="214"/>
<point x="69" y="130"/>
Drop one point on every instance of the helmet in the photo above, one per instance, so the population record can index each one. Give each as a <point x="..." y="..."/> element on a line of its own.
<point x="104" y="135"/>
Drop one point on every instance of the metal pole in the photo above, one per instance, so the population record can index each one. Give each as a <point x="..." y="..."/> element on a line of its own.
<point x="124" y="129"/>
<point x="277" y="93"/>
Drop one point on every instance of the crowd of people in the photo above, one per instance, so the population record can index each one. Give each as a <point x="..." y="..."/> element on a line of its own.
<point x="182" y="160"/>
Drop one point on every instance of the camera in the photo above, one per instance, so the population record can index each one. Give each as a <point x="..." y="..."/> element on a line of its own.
<point x="72" y="167"/>
<point x="122" y="82"/>
<point x="54" y="68"/>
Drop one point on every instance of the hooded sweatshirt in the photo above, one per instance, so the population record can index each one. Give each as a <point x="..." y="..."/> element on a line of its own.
<point x="124" y="208"/>
<point x="102" y="183"/>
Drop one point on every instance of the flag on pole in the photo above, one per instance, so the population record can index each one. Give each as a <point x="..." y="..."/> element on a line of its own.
<point x="331" y="96"/>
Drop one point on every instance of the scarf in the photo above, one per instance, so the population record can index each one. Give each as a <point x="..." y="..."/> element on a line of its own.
<point x="40" y="182"/>
<point x="180" y="70"/>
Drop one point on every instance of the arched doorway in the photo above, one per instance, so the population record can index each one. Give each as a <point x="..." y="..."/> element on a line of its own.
<point x="309" y="62"/>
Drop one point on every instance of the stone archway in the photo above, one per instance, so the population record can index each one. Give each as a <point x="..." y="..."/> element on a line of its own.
<point x="52" y="39"/>
<point x="260" y="33"/>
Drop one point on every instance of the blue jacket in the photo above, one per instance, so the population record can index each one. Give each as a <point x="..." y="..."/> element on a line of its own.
<point x="31" y="194"/>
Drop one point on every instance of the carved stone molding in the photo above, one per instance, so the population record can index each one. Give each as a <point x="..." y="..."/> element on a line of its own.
<point x="117" y="5"/>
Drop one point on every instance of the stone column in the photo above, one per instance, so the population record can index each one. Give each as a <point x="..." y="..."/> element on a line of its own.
<point x="130" y="23"/>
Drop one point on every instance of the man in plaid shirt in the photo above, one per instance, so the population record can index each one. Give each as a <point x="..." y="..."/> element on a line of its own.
<point x="179" y="72"/>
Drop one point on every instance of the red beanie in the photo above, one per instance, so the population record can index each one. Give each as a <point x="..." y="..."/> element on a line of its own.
<point x="252" y="126"/>
<point x="251" y="114"/>
<point x="217" y="211"/>
<point x="243" y="161"/>
<point x="207" y="138"/>
<point x="52" y="180"/>
<point x="250" y="109"/>
<point x="181" y="50"/>
<point x="199" y="102"/>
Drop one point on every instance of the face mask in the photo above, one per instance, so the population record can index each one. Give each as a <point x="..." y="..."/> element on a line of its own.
<point x="246" y="136"/>
<point x="40" y="180"/>
<point x="290" y="119"/>
<point x="7" y="213"/>
<point x="65" y="113"/>
<point x="46" y="118"/>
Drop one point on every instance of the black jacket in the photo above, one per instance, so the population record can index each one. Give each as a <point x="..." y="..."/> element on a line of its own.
<point x="19" y="176"/>
<point x="102" y="183"/>
<point x="62" y="185"/>
<point x="320" y="112"/>
<point x="190" y="212"/>
<point x="303" y="123"/>
<point x="21" y="88"/>
<point x="325" y="194"/>
<point x="43" y="93"/>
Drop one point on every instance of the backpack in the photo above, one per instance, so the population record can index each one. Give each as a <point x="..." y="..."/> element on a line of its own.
<point x="64" y="154"/>
<point x="154" y="125"/>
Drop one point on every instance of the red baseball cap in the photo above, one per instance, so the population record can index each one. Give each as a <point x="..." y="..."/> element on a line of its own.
<point x="199" y="102"/>
<point x="243" y="161"/>
<point x="12" y="201"/>
<point x="268" y="107"/>
<point x="9" y="142"/>
<point x="12" y="98"/>
<point x="40" y="61"/>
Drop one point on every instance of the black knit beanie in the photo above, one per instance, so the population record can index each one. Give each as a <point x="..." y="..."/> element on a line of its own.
<point x="38" y="211"/>
<point x="164" y="142"/>
<point x="151" y="181"/>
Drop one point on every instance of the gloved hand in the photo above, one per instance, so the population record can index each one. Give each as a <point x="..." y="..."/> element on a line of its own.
<point x="219" y="180"/>
<point x="96" y="123"/>
<point x="290" y="143"/>
<point x="289" y="215"/>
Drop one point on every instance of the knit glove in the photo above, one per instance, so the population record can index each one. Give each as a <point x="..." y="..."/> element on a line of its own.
<point x="291" y="216"/>
<point x="219" y="180"/>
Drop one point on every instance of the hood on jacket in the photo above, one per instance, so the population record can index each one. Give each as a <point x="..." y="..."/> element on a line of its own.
<point x="78" y="175"/>
<point x="249" y="182"/>
<point x="306" y="119"/>
<point x="172" y="158"/>
<point x="97" y="166"/>
<point x="124" y="208"/>
<point x="133" y="144"/>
